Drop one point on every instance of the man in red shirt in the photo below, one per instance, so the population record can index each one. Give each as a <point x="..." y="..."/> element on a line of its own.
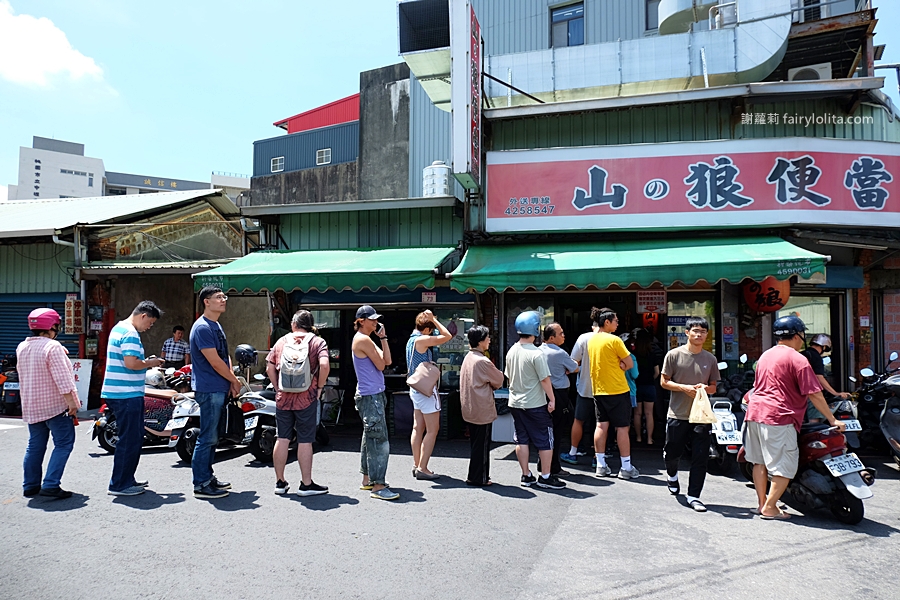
<point x="298" y="411"/>
<point x="776" y="405"/>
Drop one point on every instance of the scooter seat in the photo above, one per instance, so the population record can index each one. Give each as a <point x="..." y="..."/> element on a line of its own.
<point x="268" y="394"/>
<point x="813" y="427"/>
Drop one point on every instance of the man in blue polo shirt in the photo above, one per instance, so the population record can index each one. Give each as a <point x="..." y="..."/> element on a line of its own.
<point x="211" y="379"/>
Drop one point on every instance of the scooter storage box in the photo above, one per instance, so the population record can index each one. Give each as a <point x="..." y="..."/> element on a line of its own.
<point x="234" y="422"/>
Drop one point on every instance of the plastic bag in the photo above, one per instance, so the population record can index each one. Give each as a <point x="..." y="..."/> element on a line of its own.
<point x="701" y="410"/>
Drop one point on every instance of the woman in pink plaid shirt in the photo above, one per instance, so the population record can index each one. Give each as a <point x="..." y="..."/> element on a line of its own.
<point x="49" y="401"/>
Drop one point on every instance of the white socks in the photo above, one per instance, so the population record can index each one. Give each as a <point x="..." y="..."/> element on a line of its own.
<point x="626" y="463"/>
<point x="573" y="451"/>
<point x="601" y="459"/>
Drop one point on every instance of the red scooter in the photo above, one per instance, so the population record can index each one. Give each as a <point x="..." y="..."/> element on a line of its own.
<point x="827" y="475"/>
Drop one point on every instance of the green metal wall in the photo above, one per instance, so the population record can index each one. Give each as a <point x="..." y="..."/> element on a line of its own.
<point x="685" y="123"/>
<point x="405" y="227"/>
<point x="36" y="269"/>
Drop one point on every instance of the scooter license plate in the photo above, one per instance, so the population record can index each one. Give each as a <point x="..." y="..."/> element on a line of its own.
<point x="178" y="423"/>
<point x="852" y="424"/>
<point x="729" y="437"/>
<point x="846" y="463"/>
<point x="250" y="422"/>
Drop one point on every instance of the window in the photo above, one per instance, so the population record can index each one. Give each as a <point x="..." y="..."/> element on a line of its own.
<point x="323" y="156"/>
<point x="115" y="192"/>
<point x="567" y="26"/>
<point x="813" y="11"/>
<point x="277" y="164"/>
<point x="652" y="15"/>
<point x="90" y="180"/>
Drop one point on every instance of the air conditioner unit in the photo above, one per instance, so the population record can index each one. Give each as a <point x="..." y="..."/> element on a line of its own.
<point x="810" y="72"/>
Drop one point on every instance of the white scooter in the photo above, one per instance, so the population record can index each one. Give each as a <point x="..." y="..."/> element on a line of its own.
<point x="725" y="434"/>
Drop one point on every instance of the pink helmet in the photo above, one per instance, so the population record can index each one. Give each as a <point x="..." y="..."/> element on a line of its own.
<point x="43" y="319"/>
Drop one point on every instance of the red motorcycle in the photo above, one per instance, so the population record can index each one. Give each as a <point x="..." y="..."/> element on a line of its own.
<point x="827" y="475"/>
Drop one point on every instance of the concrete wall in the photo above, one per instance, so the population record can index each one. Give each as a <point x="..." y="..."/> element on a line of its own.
<point x="246" y="321"/>
<point x="332" y="183"/>
<point x="384" y="133"/>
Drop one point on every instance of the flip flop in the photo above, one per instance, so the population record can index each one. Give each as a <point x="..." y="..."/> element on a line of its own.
<point x="782" y="516"/>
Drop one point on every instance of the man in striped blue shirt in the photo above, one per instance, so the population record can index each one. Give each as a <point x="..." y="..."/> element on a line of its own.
<point x="123" y="392"/>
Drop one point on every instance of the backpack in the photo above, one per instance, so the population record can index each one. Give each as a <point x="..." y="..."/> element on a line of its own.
<point x="293" y="368"/>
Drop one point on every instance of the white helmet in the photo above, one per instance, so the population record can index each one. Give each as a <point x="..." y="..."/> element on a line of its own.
<point x="155" y="378"/>
<point x="822" y="340"/>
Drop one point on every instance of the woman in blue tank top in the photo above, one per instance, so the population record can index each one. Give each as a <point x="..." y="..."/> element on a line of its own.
<point x="426" y="409"/>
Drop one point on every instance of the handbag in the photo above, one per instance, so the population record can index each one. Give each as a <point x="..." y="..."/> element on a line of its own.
<point x="701" y="409"/>
<point x="425" y="378"/>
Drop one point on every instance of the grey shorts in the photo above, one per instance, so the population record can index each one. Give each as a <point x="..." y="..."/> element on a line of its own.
<point x="772" y="445"/>
<point x="301" y="421"/>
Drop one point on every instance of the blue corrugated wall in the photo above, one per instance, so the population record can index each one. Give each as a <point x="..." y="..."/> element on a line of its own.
<point x="299" y="149"/>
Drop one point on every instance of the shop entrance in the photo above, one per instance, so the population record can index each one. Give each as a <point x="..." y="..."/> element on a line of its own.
<point x="821" y="313"/>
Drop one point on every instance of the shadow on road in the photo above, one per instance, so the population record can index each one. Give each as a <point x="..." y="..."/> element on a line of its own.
<point x="236" y="501"/>
<point x="324" y="501"/>
<point x="148" y="500"/>
<point x="509" y="491"/>
<point x="45" y="504"/>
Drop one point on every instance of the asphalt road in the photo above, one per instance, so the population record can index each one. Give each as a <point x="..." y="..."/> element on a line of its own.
<point x="597" y="539"/>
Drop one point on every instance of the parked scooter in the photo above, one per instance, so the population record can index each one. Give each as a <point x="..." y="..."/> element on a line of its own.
<point x="871" y="399"/>
<point x="890" y="418"/>
<point x="160" y="393"/>
<point x="240" y="416"/>
<point x="827" y="475"/>
<point x="10" y="400"/>
<point x="726" y="433"/>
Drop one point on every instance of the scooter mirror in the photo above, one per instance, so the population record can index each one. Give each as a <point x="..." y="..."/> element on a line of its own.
<point x="723" y="365"/>
<point x="894" y="356"/>
<point x="826" y="360"/>
<point x="743" y="359"/>
<point x="867" y="372"/>
<point x="852" y="379"/>
<point x="170" y="371"/>
<point x="258" y="377"/>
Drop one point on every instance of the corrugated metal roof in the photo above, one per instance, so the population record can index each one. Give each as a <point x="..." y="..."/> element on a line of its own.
<point x="156" y="268"/>
<point x="31" y="218"/>
<point x="333" y="113"/>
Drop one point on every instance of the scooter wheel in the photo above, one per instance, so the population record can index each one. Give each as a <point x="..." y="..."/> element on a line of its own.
<point x="109" y="437"/>
<point x="746" y="470"/>
<point x="263" y="443"/>
<point x="847" y="508"/>
<point x="186" y="444"/>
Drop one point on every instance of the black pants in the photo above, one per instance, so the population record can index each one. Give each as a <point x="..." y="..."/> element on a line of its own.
<point x="562" y="427"/>
<point x="678" y="434"/>
<point x="480" y="456"/>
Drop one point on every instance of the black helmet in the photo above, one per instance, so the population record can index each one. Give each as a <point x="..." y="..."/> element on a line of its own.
<point x="245" y="354"/>
<point x="787" y="327"/>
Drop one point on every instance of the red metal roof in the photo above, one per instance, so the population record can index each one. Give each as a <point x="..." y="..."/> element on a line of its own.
<point x="333" y="113"/>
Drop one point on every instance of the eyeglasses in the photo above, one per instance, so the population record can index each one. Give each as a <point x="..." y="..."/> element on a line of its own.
<point x="222" y="297"/>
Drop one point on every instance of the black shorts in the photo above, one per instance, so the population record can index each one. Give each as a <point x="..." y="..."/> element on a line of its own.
<point x="584" y="409"/>
<point x="534" y="425"/>
<point x="614" y="409"/>
<point x="301" y="421"/>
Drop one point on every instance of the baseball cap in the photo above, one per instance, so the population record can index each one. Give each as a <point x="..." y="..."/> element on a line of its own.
<point x="367" y="312"/>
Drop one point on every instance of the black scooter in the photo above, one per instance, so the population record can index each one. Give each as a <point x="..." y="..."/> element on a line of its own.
<point x="871" y="400"/>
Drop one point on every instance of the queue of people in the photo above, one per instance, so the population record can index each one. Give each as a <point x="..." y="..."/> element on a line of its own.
<point x="609" y="384"/>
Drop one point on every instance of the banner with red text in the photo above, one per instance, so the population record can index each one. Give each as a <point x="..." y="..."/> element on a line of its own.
<point x="734" y="183"/>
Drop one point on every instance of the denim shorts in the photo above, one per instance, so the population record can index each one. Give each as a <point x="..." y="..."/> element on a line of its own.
<point x="301" y="421"/>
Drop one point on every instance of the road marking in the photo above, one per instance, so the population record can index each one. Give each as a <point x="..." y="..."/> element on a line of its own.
<point x="6" y="426"/>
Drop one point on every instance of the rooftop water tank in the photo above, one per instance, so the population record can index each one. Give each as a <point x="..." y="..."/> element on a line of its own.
<point x="436" y="180"/>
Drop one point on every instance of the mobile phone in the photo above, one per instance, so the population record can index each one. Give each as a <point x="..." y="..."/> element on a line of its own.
<point x="380" y="328"/>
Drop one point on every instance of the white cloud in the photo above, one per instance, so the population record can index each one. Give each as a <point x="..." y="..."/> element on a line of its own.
<point x="34" y="49"/>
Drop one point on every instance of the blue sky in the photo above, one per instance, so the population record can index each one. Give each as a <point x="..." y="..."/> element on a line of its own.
<point x="180" y="89"/>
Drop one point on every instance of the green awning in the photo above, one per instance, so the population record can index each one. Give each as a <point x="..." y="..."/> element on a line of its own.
<point x="638" y="262"/>
<point x="321" y="270"/>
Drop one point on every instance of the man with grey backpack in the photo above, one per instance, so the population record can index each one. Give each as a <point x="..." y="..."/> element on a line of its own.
<point x="298" y="367"/>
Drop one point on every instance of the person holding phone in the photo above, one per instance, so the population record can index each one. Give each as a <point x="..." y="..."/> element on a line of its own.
<point x="426" y="409"/>
<point x="369" y="362"/>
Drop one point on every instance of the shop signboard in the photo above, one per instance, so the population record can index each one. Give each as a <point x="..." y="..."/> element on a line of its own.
<point x="465" y="93"/>
<point x="81" y="369"/>
<point x="74" y="315"/>
<point x="651" y="301"/>
<point x="732" y="183"/>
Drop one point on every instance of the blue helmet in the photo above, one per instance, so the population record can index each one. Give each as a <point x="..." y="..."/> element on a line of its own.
<point x="529" y="323"/>
<point x="788" y="326"/>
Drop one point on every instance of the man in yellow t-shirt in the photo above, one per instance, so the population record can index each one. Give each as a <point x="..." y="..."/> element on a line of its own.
<point x="609" y="359"/>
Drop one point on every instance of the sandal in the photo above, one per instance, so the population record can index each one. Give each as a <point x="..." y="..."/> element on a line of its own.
<point x="781" y="516"/>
